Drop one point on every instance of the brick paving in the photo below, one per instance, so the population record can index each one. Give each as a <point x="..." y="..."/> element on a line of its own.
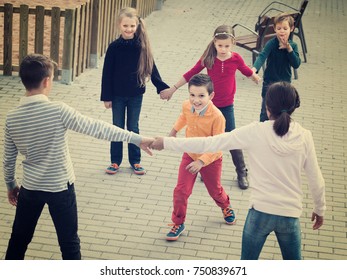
<point x="125" y="216"/>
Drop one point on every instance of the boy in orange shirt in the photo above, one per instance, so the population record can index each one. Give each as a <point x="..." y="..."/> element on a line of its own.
<point x="202" y="118"/>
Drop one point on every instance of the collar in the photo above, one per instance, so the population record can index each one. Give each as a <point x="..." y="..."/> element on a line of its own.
<point x="33" y="98"/>
<point x="203" y="111"/>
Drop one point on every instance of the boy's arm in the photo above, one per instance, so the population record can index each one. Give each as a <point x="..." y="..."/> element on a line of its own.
<point x="181" y="121"/>
<point x="263" y="55"/>
<point x="173" y="133"/>
<point x="12" y="196"/>
<point x="9" y="161"/>
<point x="294" y="57"/>
<point x="75" y="121"/>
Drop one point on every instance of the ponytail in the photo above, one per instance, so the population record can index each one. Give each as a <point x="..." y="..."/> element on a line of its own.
<point x="281" y="101"/>
<point x="282" y="123"/>
<point x="209" y="55"/>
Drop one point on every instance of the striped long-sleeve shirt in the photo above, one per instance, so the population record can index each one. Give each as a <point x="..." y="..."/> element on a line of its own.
<point x="37" y="128"/>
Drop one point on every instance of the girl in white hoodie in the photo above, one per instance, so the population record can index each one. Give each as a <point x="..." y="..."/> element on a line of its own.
<point x="278" y="150"/>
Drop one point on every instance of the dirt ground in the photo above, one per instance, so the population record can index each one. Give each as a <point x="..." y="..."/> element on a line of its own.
<point x="63" y="4"/>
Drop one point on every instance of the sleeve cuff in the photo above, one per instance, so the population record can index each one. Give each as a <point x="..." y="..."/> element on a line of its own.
<point x="135" y="139"/>
<point x="11" y="185"/>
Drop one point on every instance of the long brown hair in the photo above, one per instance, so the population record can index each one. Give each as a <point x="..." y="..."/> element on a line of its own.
<point x="145" y="64"/>
<point x="222" y="32"/>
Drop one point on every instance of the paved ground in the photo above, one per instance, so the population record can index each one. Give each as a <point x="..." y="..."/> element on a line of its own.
<point x="126" y="216"/>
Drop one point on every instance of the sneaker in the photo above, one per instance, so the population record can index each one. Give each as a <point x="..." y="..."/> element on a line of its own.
<point x="175" y="232"/>
<point x="112" y="169"/>
<point x="138" y="169"/>
<point x="229" y="215"/>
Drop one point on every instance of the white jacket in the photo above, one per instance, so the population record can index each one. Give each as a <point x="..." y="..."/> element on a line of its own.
<point x="275" y="164"/>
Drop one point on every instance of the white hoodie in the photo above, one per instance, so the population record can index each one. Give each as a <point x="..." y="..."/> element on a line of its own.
<point x="275" y="164"/>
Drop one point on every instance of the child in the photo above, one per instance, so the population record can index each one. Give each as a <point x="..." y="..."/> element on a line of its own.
<point x="202" y="118"/>
<point x="37" y="129"/>
<point x="128" y="64"/>
<point x="281" y="54"/>
<point x="279" y="149"/>
<point x="221" y="63"/>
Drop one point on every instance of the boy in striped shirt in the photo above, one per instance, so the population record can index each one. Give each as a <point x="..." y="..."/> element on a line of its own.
<point x="37" y="128"/>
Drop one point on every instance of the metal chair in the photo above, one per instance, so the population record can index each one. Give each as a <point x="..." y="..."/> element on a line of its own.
<point x="297" y="15"/>
<point x="255" y="41"/>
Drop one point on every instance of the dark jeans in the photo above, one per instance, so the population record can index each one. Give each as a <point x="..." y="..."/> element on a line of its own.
<point x="132" y="107"/>
<point x="263" y="115"/>
<point x="228" y="113"/>
<point x="63" y="210"/>
<point x="237" y="155"/>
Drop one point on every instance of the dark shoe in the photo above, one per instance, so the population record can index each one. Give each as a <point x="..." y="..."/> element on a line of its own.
<point x="243" y="181"/>
<point x="237" y="157"/>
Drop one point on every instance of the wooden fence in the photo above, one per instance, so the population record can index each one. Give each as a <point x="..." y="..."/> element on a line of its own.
<point x="74" y="38"/>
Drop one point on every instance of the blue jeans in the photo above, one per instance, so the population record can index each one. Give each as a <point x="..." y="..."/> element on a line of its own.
<point x="63" y="209"/>
<point x="259" y="225"/>
<point x="132" y="107"/>
<point x="237" y="155"/>
<point x="263" y="115"/>
<point x="228" y="113"/>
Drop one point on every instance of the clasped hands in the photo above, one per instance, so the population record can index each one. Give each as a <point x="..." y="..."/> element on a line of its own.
<point x="157" y="143"/>
<point x="148" y="144"/>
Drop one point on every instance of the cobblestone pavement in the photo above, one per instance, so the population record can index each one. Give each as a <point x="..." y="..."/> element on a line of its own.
<point x="125" y="216"/>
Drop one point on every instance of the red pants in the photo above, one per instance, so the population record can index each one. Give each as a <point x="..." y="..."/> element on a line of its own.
<point x="211" y="174"/>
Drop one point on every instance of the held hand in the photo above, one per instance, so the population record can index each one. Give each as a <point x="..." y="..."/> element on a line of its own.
<point x="173" y="133"/>
<point x="318" y="221"/>
<point x="158" y="144"/>
<point x="195" y="166"/>
<point x="166" y="94"/>
<point x="256" y="78"/>
<point x="108" y="104"/>
<point x="145" y="145"/>
<point x="13" y="196"/>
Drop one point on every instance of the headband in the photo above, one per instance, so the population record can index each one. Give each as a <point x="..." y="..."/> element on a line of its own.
<point x="224" y="33"/>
